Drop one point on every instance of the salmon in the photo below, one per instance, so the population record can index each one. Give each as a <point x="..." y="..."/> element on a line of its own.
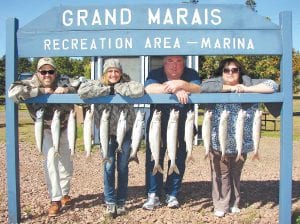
<point x="206" y="132"/>
<point x="55" y="130"/>
<point x="104" y="135"/>
<point x="172" y="132"/>
<point x="71" y="130"/>
<point x="39" y="129"/>
<point x="87" y="132"/>
<point x="121" y="130"/>
<point x="239" y="134"/>
<point x="155" y="140"/>
<point x="223" y="132"/>
<point x="137" y="135"/>
<point x="189" y="134"/>
<point x="256" y="133"/>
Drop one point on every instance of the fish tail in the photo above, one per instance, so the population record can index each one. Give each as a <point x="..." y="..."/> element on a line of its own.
<point x="157" y="168"/>
<point x="190" y="158"/>
<point x="104" y="160"/>
<point x="255" y="156"/>
<point x="239" y="157"/>
<point x="134" y="158"/>
<point x="173" y="168"/>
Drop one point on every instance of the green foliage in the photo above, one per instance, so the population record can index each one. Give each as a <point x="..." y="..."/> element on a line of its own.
<point x="255" y="66"/>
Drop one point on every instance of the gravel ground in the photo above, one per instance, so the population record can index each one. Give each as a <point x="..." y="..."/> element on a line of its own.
<point x="260" y="187"/>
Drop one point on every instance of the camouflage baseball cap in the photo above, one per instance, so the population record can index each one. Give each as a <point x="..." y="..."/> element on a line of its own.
<point x="45" y="61"/>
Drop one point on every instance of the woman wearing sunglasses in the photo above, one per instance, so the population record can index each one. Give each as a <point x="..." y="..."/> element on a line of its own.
<point x="58" y="166"/>
<point x="226" y="170"/>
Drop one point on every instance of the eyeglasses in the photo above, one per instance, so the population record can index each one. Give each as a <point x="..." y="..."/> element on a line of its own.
<point x="44" y="72"/>
<point x="232" y="70"/>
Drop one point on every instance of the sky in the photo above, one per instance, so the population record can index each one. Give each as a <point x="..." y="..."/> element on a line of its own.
<point x="26" y="11"/>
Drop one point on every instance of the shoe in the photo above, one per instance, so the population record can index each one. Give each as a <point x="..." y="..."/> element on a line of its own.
<point x="152" y="202"/>
<point x="54" y="208"/>
<point x="111" y="210"/>
<point x="66" y="200"/>
<point x="172" y="201"/>
<point x="121" y="210"/>
<point x="219" y="214"/>
<point x="235" y="210"/>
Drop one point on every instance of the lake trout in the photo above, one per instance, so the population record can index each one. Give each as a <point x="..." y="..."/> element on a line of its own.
<point x="189" y="134"/>
<point x="239" y="134"/>
<point x="172" y="132"/>
<point x="206" y="131"/>
<point x="87" y="132"/>
<point x="39" y="129"/>
<point x="55" y="130"/>
<point x="137" y="135"/>
<point x="104" y="135"/>
<point x="256" y="133"/>
<point x="121" y="130"/>
<point x="223" y="132"/>
<point x="71" y="130"/>
<point x="155" y="140"/>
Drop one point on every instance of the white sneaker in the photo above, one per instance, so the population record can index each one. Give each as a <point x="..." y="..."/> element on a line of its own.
<point x="172" y="201"/>
<point x="219" y="214"/>
<point x="235" y="210"/>
<point x="152" y="202"/>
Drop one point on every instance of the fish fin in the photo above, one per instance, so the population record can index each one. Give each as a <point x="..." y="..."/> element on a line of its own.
<point x="134" y="158"/>
<point x="104" y="160"/>
<point x="190" y="158"/>
<point x="157" y="168"/>
<point x="222" y="157"/>
<point x="255" y="156"/>
<point x="172" y="169"/>
<point x="239" y="157"/>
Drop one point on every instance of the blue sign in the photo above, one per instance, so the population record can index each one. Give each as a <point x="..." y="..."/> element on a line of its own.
<point x="149" y="30"/>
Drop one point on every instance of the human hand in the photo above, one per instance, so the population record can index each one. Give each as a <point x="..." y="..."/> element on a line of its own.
<point x="182" y="96"/>
<point x="61" y="90"/>
<point x="239" y="88"/>
<point x="172" y="86"/>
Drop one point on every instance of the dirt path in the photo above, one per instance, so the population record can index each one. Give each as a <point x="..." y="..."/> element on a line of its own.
<point x="260" y="187"/>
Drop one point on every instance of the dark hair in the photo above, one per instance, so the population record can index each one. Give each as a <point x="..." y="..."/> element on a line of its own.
<point x="228" y="61"/>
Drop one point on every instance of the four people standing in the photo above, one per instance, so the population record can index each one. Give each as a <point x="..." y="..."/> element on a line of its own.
<point x="173" y="78"/>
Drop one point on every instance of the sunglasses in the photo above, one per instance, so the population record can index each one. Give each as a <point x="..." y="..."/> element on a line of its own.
<point x="44" y="72"/>
<point x="232" y="70"/>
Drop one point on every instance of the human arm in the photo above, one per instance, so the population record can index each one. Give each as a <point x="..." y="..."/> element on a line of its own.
<point x="92" y="88"/>
<point x="132" y="89"/>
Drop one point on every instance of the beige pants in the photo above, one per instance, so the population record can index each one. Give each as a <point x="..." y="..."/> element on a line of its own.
<point x="226" y="177"/>
<point x="58" y="167"/>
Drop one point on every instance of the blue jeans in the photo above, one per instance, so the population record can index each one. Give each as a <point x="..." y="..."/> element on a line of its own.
<point x="154" y="183"/>
<point x="118" y="195"/>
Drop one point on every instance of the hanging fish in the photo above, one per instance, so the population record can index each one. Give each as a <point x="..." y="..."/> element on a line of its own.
<point x="239" y="134"/>
<point x="256" y="133"/>
<point x="172" y="131"/>
<point x="189" y="134"/>
<point x="71" y="130"/>
<point x="87" y="132"/>
<point x="121" y="130"/>
<point x="55" y="130"/>
<point x="137" y="135"/>
<point x="39" y="129"/>
<point x="104" y="135"/>
<point x="206" y="131"/>
<point x="223" y="132"/>
<point x="155" y="140"/>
